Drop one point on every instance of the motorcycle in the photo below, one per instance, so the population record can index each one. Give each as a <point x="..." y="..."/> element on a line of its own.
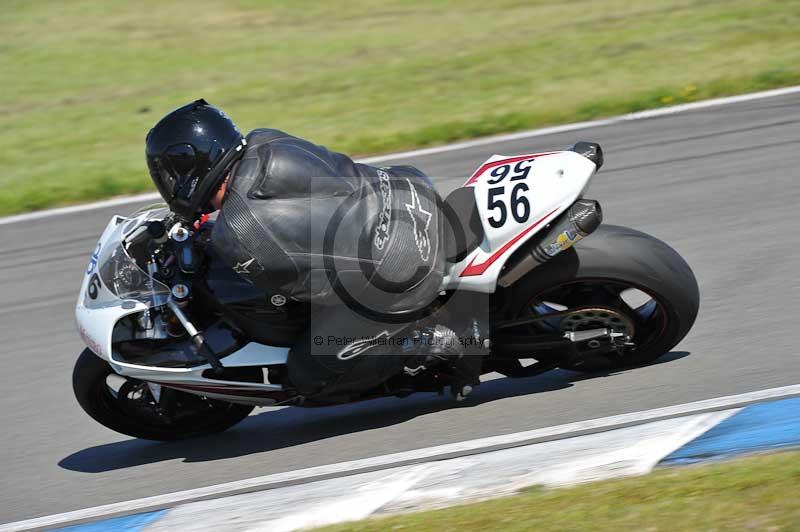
<point x="180" y="346"/>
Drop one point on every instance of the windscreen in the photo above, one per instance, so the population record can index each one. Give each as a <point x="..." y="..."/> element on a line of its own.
<point x="118" y="276"/>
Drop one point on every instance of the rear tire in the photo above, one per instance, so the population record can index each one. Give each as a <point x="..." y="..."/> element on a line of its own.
<point x="626" y="256"/>
<point x="89" y="383"/>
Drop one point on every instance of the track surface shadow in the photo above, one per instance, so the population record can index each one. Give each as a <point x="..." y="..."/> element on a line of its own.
<point x="289" y="427"/>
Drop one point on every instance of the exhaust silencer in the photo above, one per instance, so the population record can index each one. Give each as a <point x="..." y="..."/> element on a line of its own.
<point x="577" y="222"/>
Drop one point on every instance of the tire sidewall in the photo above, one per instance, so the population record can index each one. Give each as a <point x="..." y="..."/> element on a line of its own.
<point x="621" y="254"/>
<point x="91" y="371"/>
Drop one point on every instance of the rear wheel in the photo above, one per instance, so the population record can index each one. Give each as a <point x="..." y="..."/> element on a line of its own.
<point x="128" y="406"/>
<point x="618" y="279"/>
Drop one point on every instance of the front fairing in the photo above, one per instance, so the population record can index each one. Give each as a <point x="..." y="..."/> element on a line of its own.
<point x="114" y="285"/>
<point x="122" y="298"/>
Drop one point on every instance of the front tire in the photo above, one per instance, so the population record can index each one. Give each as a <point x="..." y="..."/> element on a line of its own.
<point x="131" y="410"/>
<point x="614" y="259"/>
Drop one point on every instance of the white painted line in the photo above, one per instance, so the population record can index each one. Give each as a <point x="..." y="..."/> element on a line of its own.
<point x="113" y="202"/>
<point x="610" y="454"/>
<point x="429" y="454"/>
<point x="641" y="115"/>
<point x="359" y="504"/>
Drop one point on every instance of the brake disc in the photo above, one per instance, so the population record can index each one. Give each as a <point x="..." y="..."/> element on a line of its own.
<point x="596" y="318"/>
<point x="578" y="319"/>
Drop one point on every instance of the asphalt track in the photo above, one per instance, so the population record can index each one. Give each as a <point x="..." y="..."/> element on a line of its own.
<point x="721" y="185"/>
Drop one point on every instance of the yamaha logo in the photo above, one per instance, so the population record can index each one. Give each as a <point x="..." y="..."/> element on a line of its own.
<point x="278" y="300"/>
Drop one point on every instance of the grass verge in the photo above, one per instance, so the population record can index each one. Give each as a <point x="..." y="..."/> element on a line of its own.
<point x="84" y="80"/>
<point x="755" y="493"/>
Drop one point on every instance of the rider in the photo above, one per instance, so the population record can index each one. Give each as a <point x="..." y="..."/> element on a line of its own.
<point x="359" y="244"/>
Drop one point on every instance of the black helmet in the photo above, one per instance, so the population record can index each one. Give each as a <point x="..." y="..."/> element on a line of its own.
<point x="189" y="153"/>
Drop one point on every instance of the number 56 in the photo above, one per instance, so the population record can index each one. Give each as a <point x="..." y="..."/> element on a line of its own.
<point x="520" y="207"/>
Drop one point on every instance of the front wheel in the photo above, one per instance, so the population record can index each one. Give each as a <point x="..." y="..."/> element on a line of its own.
<point x="618" y="279"/>
<point x="127" y="406"/>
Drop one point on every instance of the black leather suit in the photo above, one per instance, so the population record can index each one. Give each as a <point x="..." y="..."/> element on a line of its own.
<point x="311" y="225"/>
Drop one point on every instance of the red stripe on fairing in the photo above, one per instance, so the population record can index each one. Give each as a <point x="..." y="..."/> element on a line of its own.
<point x="482" y="169"/>
<point x="478" y="269"/>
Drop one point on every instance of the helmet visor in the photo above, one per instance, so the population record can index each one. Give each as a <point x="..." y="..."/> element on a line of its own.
<point x="175" y="172"/>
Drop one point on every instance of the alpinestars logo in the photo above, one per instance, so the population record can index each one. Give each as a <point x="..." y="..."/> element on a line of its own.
<point x="385" y="217"/>
<point x="243" y="268"/>
<point x="356" y="348"/>
<point x="421" y="220"/>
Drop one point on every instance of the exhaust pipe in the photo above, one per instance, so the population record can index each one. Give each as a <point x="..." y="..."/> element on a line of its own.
<point x="574" y="224"/>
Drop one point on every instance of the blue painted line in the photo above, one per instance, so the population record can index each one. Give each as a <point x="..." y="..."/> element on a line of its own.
<point x="759" y="427"/>
<point x="128" y="523"/>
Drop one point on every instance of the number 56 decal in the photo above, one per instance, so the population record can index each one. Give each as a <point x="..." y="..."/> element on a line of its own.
<point x="94" y="286"/>
<point x="503" y="199"/>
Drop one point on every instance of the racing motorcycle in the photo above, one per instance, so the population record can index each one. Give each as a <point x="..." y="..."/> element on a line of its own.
<point x="180" y="346"/>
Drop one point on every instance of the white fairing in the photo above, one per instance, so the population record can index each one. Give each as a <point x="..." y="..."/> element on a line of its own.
<point x="516" y="197"/>
<point x="96" y="325"/>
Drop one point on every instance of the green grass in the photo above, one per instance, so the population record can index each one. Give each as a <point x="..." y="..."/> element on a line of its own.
<point x="84" y="80"/>
<point x="756" y="493"/>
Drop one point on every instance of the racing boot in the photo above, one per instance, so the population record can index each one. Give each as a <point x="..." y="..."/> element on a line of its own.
<point x="468" y="372"/>
<point x="441" y="345"/>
